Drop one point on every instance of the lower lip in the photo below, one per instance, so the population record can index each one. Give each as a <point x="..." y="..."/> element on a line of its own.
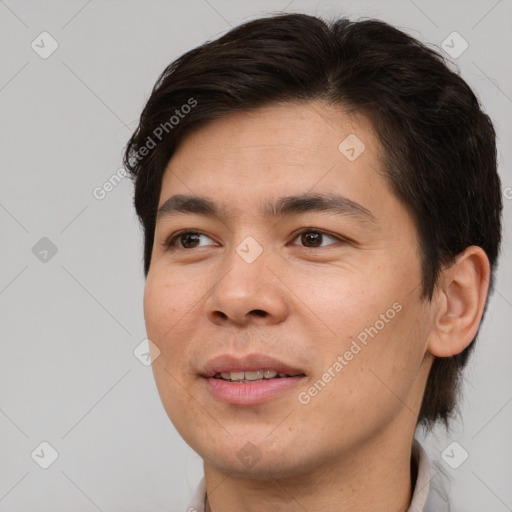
<point x="250" y="393"/>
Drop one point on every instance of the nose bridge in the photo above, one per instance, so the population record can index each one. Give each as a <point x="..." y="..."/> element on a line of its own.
<point x="246" y="269"/>
<point x="248" y="287"/>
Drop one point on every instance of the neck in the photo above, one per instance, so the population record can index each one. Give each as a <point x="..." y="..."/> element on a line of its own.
<point x="376" y="476"/>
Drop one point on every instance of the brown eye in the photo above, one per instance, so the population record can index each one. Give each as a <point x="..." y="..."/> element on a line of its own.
<point x="312" y="239"/>
<point x="187" y="240"/>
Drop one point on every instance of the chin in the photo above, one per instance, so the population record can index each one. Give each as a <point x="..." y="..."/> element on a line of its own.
<point x="265" y="469"/>
<point x="265" y="460"/>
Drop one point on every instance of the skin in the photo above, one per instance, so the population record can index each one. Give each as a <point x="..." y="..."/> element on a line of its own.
<point x="349" y="447"/>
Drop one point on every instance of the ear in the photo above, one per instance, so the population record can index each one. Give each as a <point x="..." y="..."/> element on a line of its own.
<point x="460" y="297"/>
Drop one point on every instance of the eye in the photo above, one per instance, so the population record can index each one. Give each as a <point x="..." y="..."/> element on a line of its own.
<point x="187" y="240"/>
<point x="312" y="238"/>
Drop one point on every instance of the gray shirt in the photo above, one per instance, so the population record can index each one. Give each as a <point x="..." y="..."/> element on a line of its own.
<point x="419" y="503"/>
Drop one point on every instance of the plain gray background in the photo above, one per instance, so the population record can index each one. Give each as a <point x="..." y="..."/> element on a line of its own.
<point x="71" y="320"/>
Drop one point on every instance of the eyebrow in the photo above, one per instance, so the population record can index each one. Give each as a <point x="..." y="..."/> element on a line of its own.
<point x="282" y="207"/>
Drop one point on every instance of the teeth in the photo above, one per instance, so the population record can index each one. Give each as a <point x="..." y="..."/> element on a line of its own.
<point x="258" y="374"/>
<point x="250" y="375"/>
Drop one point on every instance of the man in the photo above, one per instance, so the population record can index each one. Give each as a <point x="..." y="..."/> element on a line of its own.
<point x="322" y="223"/>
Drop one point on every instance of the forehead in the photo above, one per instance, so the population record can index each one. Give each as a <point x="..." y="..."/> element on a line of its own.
<point x="277" y="150"/>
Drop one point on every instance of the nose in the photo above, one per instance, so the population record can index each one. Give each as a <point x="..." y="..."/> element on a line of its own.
<point x="247" y="292"/>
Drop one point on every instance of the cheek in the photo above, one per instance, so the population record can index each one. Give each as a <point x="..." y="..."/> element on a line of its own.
<point x="383" y="360"/>
<point x="167" y="309"/>
<point x="342" y="303"/>
<point x="374" y="325"/>
<point x="156" y="308"/>
<point x="168" y="315"/>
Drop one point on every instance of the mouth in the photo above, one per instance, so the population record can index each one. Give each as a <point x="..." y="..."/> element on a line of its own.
<point x="250" y="380"/>
<point x="252" y="376"/>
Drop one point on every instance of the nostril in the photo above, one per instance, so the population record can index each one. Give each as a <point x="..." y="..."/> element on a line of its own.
<point x="259" y="312"/>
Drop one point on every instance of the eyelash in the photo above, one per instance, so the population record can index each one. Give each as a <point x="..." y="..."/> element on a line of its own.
<point x="175" y="237"/>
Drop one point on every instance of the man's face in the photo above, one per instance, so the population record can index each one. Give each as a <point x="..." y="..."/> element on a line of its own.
<point x="330" y="296"/>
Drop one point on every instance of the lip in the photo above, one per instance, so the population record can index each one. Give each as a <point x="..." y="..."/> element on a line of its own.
<point x="249" y="393"/>
<point x="250" y="362"/>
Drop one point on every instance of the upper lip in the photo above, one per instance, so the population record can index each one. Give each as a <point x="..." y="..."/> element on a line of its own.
<point x="249" y="362"/>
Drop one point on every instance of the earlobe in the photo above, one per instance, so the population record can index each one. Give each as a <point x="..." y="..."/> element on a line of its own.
<point x="461" y="295"/>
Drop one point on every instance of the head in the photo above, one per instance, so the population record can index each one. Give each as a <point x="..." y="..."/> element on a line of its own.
<point x="293" y="106"/>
